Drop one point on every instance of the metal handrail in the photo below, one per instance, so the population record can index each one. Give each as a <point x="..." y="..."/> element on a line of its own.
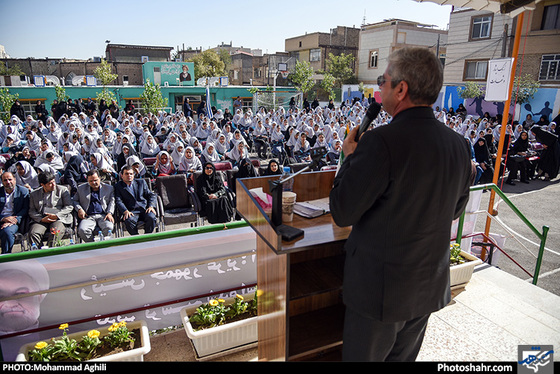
<point x="540" y="235"/>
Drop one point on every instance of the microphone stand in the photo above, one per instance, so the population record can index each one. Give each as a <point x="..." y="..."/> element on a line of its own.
<point x="276" y="189"/>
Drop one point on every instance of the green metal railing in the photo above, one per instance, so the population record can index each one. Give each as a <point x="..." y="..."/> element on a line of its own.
<point x="540" y="235"/>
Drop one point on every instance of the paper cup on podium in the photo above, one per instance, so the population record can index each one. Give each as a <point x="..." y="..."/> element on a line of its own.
<point x="288" y="201"/>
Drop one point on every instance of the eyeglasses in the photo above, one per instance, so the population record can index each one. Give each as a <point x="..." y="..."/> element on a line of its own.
<point x="209" y="168"/>
<point x="381" y="80"/>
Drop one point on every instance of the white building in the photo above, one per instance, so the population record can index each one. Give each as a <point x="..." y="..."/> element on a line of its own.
<point x="474" y="38"/>
<point x="379" y="40"/>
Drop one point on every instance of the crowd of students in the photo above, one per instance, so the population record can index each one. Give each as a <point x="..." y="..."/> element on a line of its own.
<point x="69" y="143"/>
<point x="530" y="149"/>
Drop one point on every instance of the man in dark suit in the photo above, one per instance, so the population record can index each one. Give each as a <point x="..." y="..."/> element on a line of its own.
<point x="95" y="204"/>
<point x="14" y="205"/>
<point x="399" y="187"/>
<point x="135" y="202"/>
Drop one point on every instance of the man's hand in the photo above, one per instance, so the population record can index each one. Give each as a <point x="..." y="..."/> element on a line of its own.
<point x="127" y="215"/>
<point x="350" y="143"/>
<point x="12" y="220"/>
<point x="49" y="218"/>
<point x="109" y="217"/>
<point x="82" y="214"/>
<point x="151" y="209"/>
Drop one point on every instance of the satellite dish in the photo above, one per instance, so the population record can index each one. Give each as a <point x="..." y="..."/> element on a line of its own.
<point x="78" y="80"/>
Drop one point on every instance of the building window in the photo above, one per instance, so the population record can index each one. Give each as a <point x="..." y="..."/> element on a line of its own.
<point x="550" y="69"/>
<point x="373" y="58"/>
<point x="476" y="70"/>
<point x="481" y="27"/>
<point x="551" y="17"/>
<point x="315" y="55"/>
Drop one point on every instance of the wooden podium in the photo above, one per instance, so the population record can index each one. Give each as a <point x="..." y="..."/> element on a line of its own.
<point x="300" y="309"/>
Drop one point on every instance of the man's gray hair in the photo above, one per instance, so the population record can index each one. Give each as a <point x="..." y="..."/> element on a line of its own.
<point x="421" y="70"/>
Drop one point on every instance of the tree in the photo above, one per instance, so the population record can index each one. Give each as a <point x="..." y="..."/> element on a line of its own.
<point x="7" y="99"/>
<point x="327" y="84"/>
<point x="471" y="90"/>
<point x="103" y="74"/>
<point x="60" y="93"/>
<point x="302" y="76"/>
<point x="524" y="88"/>
<point x="152" y="99"/>
<point x="208" y="64"/>
<point x="14" y="70"/>
<point x="340" y="67"/>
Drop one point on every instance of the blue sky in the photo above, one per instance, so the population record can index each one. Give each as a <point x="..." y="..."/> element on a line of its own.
<point x="78" y="29"/>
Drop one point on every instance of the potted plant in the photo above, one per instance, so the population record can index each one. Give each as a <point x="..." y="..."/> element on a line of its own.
<point x="118" y="342"/>
<point x="461" y="265"/>
<point x="220" y="325"/>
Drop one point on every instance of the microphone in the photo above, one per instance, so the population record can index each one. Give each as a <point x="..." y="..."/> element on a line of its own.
<point x="371" y="114"/>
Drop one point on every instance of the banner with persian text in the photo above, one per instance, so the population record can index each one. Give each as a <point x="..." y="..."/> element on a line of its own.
<point x="105" y="282"/>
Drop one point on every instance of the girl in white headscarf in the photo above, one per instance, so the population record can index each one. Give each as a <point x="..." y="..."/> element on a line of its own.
<point x="177" y="154"/>
<point x="164" y="164"/>
<point x="104" y="167"/>
<point x="238" y="152"/>
<point x="222" y="145"/>
<point x="149" y="147"/>
<point x="26" y="175"/>
<point x="137" y="164"/>
<point x="189" y="162"/>
<point x="210" y="154"/>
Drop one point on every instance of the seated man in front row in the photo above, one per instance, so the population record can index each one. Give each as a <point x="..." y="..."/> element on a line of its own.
<point x="135" y="202"/>
<point x="14" y="205"/>
<point x="50" y="207"/>
<point x="95" y="203"/>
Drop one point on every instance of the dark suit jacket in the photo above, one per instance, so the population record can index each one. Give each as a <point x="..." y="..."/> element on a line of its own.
<point x="142" y="198"/>
<point x="21" y="201"/>
<point x="400" y="190"/>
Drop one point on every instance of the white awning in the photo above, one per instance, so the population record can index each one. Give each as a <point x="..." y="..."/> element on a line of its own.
<point x="510" y="7"/>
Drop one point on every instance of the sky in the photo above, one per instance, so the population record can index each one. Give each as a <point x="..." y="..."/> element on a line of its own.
<point x="80" y="29"/>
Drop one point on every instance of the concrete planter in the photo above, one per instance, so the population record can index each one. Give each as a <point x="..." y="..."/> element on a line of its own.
<point x="460" y="274"/>
<point x="136" y="354"/>
<point x="221" y="338"/>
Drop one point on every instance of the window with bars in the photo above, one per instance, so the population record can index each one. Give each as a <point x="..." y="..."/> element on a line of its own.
<point x="550" y="69"/>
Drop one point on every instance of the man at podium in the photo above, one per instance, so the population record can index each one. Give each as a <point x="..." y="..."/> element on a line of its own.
<point x="399" y="187"/>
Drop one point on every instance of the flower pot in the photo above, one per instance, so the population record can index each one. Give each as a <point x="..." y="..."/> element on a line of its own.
<point x="136" y="354"/>
<point x="220" y="338"/>
<point x="459" y="274"/>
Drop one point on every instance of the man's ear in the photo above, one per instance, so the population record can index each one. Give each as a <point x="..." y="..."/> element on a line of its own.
<point x="401" y="90"/>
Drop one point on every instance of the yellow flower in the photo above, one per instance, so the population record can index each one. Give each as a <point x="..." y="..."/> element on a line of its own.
<point x="40" y="345"/>
<point x="221" y="301"/>
<point x="113" y="327"/>
<point x="63" y="326"/>
<point x="260" y="293"/>
<point x="240" y="297"/>
<point x="93" y="334"/>
<point x="213" y="302"/>
<point x="122" y="324"/>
